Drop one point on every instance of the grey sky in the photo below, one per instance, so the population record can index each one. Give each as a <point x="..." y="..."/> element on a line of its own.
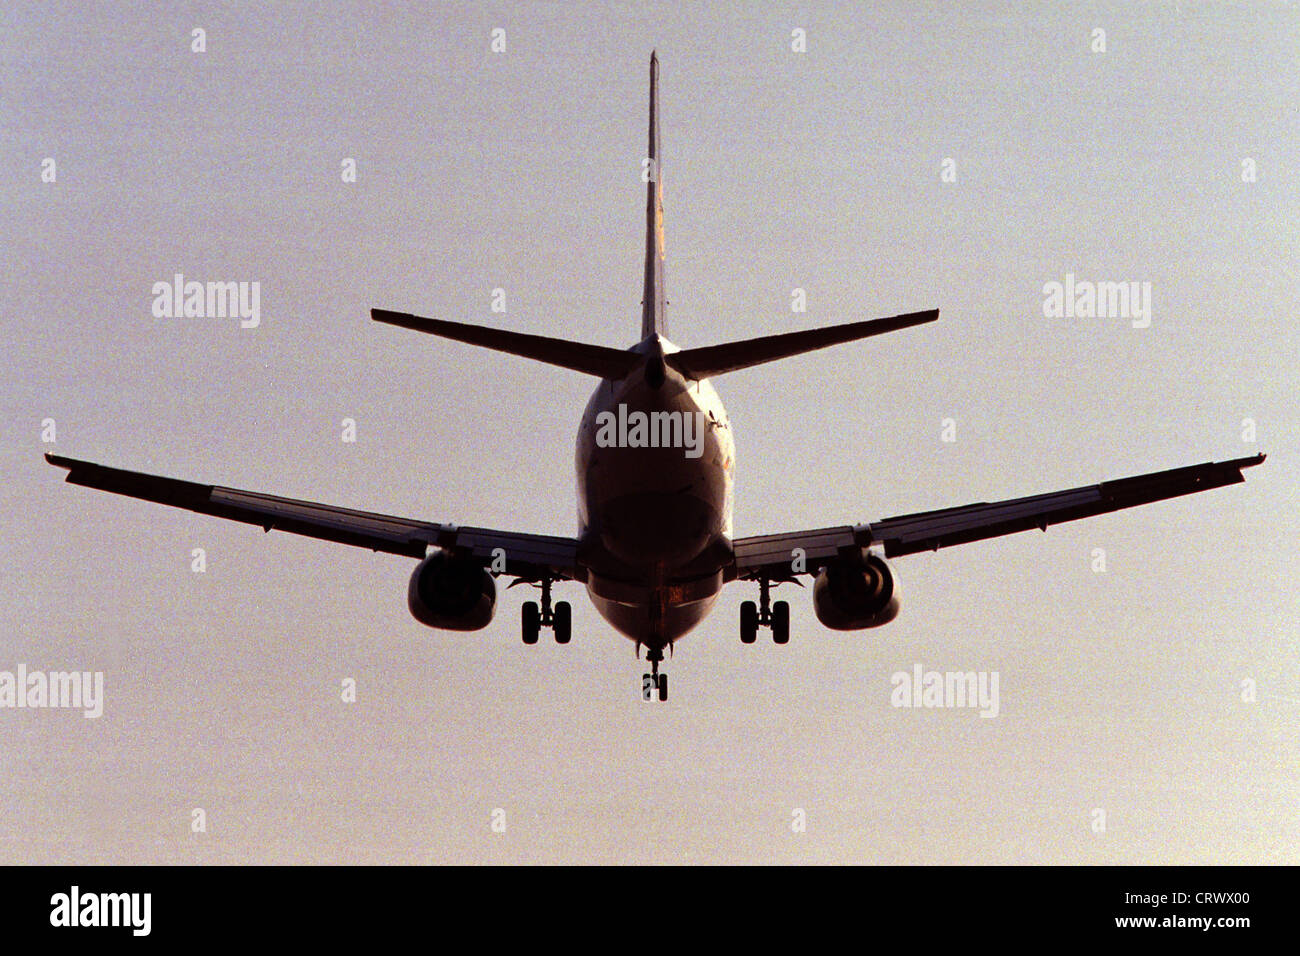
<point x="520" y="170"/>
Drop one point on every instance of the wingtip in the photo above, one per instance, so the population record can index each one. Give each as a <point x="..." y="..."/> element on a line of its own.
<point x="1248" y="462"/>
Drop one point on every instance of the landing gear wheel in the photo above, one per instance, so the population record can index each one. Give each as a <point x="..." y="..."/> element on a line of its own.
<point x="748" y="622"/>
<point x="562" y="622"/>
<point x="532" y="619"/>
<point x="780" y="622"/>
<point x="663" y="687"/>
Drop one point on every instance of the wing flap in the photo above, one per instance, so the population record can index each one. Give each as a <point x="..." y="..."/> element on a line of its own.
<point x="771" y="551"/>
<point x="344" y="525"/>
<point x="532" y="550"/>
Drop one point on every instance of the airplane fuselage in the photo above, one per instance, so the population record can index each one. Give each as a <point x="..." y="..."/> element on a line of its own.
<point x="655" y="499"/>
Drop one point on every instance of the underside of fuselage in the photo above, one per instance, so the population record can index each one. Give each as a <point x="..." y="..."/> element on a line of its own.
<point x="654" y="466"/>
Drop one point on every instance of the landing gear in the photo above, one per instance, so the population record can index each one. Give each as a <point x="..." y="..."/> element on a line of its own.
<point x="562" y="622"/>
<point x="559" y="620"/>
<point x="775" y="615"/>
<point x="654" y="682"/>
<point x="780" y="623"/>
<point x="532" y="622"/>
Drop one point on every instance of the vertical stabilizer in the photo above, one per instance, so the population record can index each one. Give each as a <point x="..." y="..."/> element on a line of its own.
<point x="653" y="312"/>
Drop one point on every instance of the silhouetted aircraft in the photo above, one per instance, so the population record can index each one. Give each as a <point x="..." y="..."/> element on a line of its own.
<point x="654" y="467"/>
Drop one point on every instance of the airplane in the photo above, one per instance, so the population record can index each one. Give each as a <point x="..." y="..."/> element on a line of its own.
<point x="655" y="460"/>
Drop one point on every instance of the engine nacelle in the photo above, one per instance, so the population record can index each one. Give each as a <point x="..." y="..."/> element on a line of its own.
<point x="850" y="597"/>
<point x="452" y="592"/>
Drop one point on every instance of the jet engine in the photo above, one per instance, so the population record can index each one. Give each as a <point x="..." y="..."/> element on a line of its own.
<point x="452" y="592"/>
<point x="854" y="596"/>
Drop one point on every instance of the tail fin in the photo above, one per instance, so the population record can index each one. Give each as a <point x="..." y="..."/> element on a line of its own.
<point x="653" y="311"/>
<point x="716" y="359"/>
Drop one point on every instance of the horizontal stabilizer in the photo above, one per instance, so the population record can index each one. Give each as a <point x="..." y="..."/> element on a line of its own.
<point x="592" y="359"/>
<point x="716" y="359"/>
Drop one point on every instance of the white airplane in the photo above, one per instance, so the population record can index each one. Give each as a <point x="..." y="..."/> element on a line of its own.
<point x="655" y="458"/>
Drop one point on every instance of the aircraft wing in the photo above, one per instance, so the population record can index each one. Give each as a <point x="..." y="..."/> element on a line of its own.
<point x="526" y="555"/>
<point x="772" y="555"/>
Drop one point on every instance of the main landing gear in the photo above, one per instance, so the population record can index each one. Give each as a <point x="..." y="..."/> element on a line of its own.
<point x="654" y="682"/>
<point x="753" y="616"/>
<point x="559" y="620"/>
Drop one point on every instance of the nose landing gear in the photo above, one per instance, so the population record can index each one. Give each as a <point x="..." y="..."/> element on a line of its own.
<point x="654" y="682"/>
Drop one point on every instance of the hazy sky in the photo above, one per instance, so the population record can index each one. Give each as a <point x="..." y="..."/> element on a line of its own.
<point x="519" y="170"/>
